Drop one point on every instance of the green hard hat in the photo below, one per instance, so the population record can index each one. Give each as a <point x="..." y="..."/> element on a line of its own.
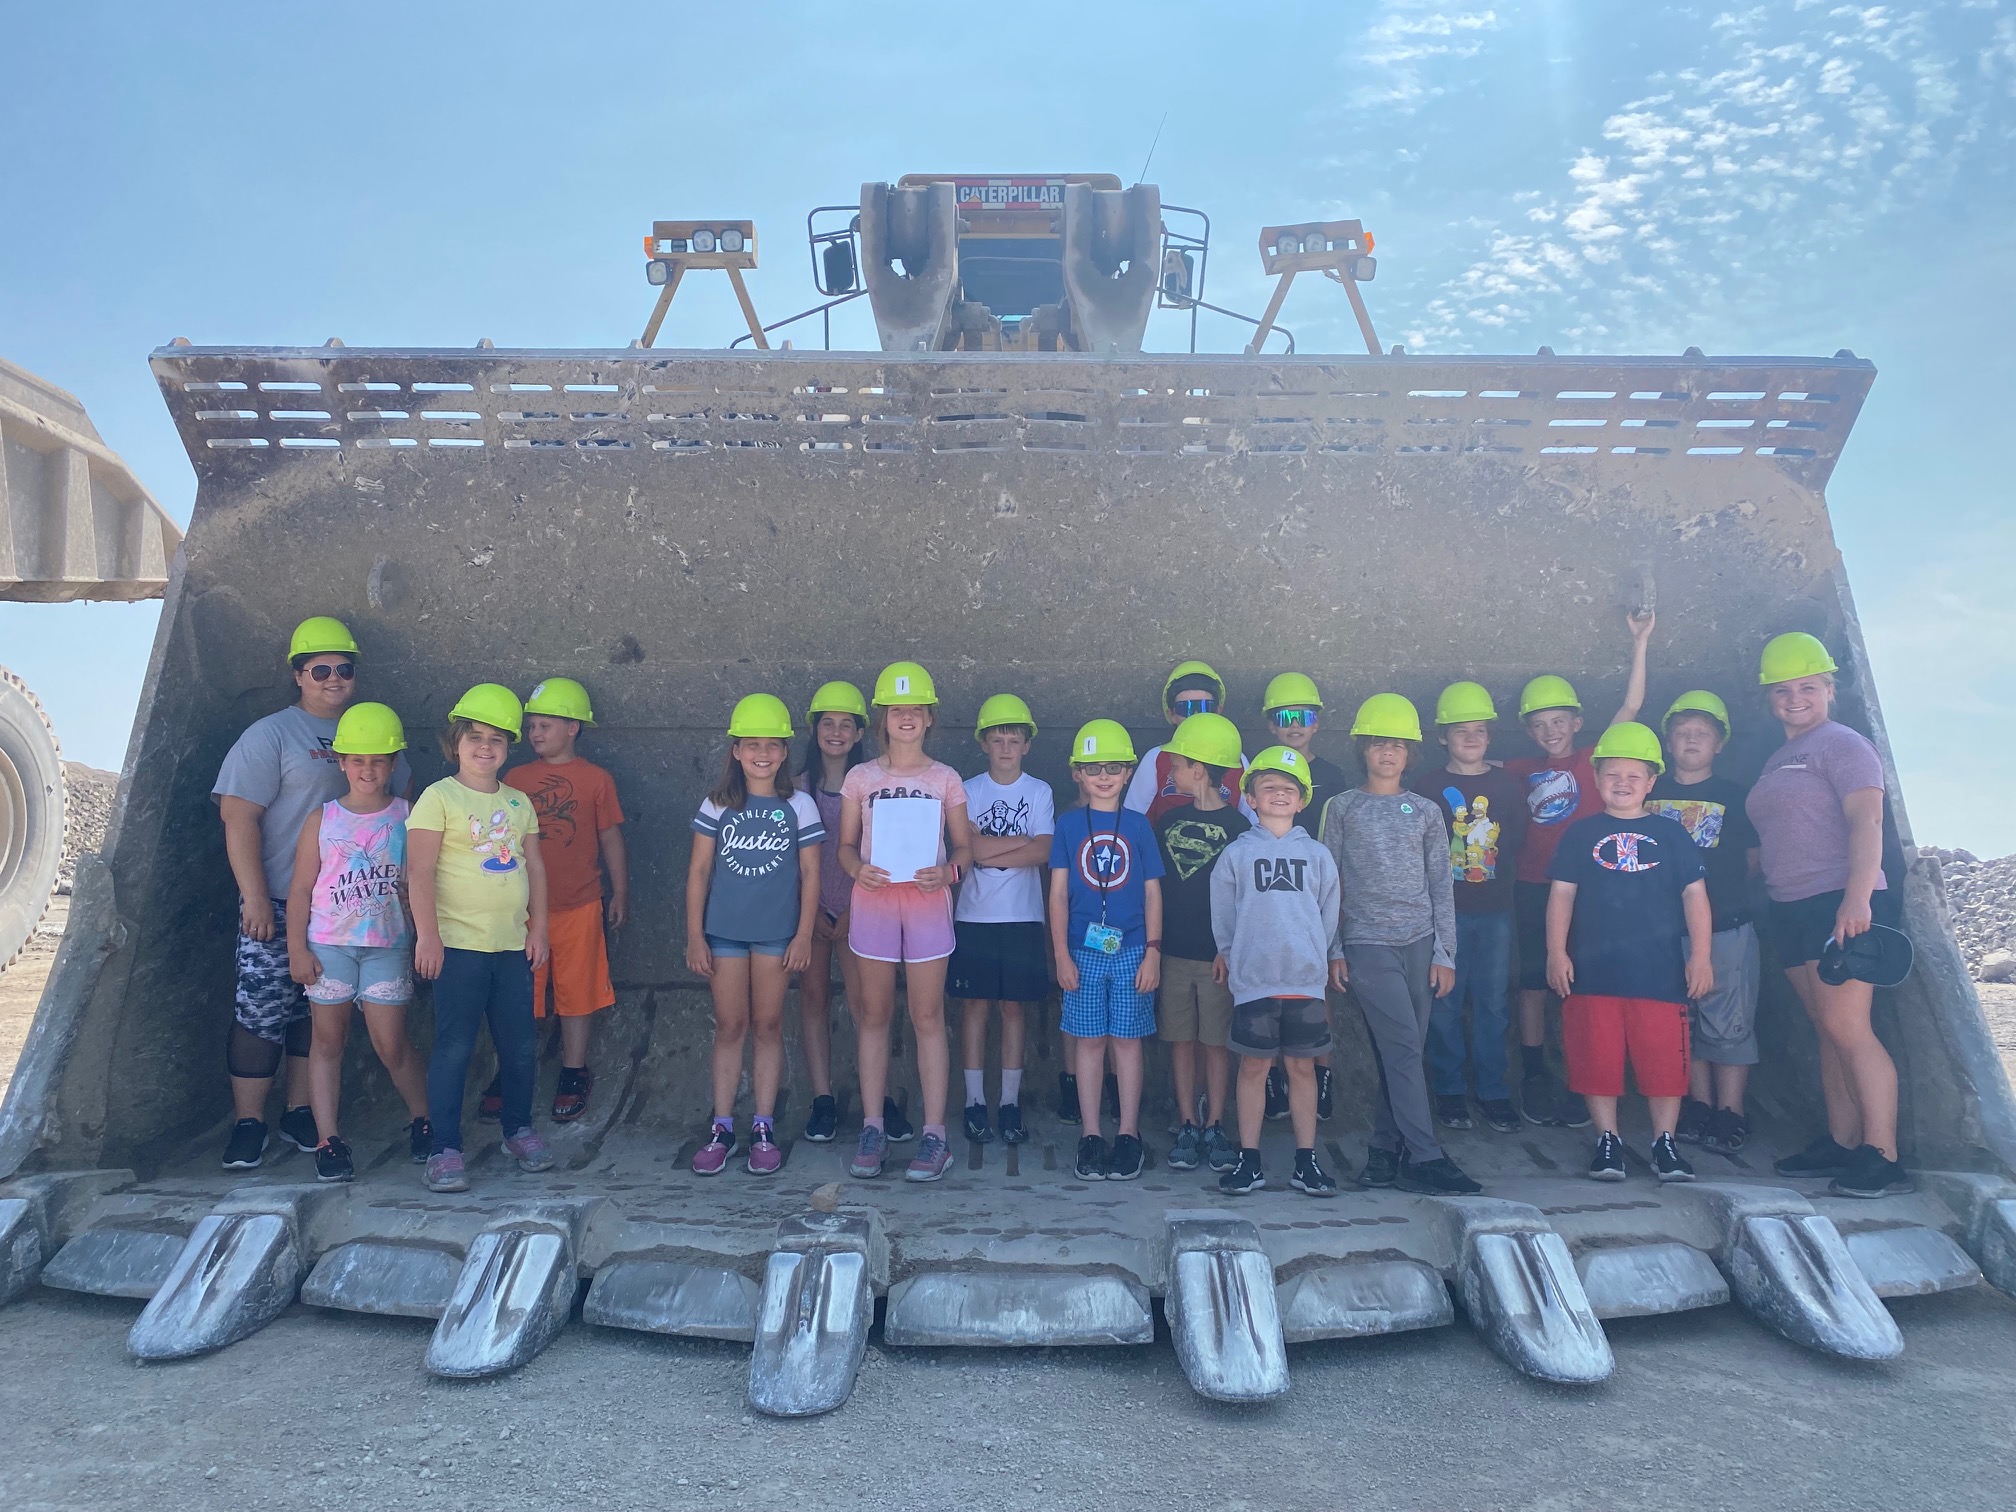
<point x="760" y="716"/>
<point x="369" y="729"/>
<point x="1291" y="690"/>
<point x="1699" y="701"/>
<point x="905" y="682"/>
<point x="492" y="704"/>
<point x="1192" y="671"/>
<point x="1791" y="656"/>
<point x="1286" y="760"/>
<point x="1102" y="740"/>
<point x="319" y="633"/>
<point x="1548" y="692"/>
<point x="838" y="698"/>
<point x="1387" y="716"/>
<point x="1633" y="740"/>
<point x="1461" y="702"/>
<point x="1004" y="709"/>
<point x="1210" y="738"/>
<point x="562" y="698"/>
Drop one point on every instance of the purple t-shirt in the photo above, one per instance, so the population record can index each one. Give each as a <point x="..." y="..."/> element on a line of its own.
<point x="836" y="888"/>
<point x="1796" y="808"/>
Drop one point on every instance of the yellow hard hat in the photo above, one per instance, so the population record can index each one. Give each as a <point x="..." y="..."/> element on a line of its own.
<point x="492" y="704"/>
<point x="1633" y="740"/>
<point x="369" y="729"/>
<point x="1192" y="671"/>
<point x="1461" y="702"/>
<point x="1291" y="690"/>
<point x="319" y="634"/>
<point x="1548" y="692"/>
<point x="1210" y="738"/>
<point x="1102" y="740"/>
<point x="1387" y="716"/>
<point x="1793" y="655"/>
<point x="838" y="698"/>
<point x="563" y="698"/>
<point x="1699" y="701"/>
<point x="905" y="682"/>
<point x="760" y="716"/>
<point x="1286" y="760"/>
<point x="1003" y="709"/>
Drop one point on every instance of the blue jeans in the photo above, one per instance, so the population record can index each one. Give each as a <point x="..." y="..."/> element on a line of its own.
<point x="476" y="986"/>
<point x="1483" y="966"/>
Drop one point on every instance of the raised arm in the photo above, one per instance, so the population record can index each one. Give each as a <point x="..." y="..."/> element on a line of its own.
<point x="1634" y="688"/>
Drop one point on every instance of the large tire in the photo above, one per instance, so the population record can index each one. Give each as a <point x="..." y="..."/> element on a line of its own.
<point x="31" y="814"/>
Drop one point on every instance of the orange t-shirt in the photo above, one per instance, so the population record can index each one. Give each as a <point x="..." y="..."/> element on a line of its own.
<point x="575" y="802"/>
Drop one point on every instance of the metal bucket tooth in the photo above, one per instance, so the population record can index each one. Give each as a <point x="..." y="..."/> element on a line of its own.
<point x="1795" y="1276"/>
<point x="673" y="1297"/>
<point x="240" y="1269"/>
<point x="1911" y="1260"/>
<point x="1221" y="1306"/>
<point x="1986" y="1207"/>
<point x="384" y="1278"/>
<point x="818" y="1301"/>
<point x="1518" y="1285"/>
<point x="1355" y="1300"/>
<point x="1018" y="1307"/>
<point x="1644" y="1280"/>
<point x="514" y="1293"/>
<point x="35" y="1212"/>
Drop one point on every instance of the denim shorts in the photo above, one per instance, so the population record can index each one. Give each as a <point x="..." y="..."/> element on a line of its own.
<point x="741" y="950"/>
<point x="372" y="973"/>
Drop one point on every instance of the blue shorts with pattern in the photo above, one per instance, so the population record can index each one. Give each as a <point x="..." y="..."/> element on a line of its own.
<point x="1106" y="1003"/>
<point x="268" y="999"/>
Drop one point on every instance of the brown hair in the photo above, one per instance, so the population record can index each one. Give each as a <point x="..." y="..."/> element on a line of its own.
<point x="1360" y="742"/>
<point x="732" y="791"/>
<point x="451" y="737"/>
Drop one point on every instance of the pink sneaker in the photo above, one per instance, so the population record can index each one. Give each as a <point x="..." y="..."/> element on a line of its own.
<point x="712" y="1158"/>
<point x="445" y="1173"/>
<point x="765" y="1159"/>
<point x="530" y="1151"/>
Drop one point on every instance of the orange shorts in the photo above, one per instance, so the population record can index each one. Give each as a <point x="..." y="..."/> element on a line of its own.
<point x="1596" y="1033"/>
<point x="578" y="966"/>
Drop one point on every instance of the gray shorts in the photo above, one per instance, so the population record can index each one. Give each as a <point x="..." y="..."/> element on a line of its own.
<point x="1271" y="1026"/>
<point x="380" y="974"/>
<point x="1725" y="1021"/>
<point x="268" y="1000"/>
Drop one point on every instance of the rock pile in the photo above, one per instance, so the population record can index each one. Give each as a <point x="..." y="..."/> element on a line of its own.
<point x="89" y="795"/>
<point x="1982" y="896"/>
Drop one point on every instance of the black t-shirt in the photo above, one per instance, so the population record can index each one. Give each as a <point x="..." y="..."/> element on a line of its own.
<point x="1326" y="781"/>
<point x="1191" y="843"/>
<point x="1712" y="812"/>
<point x="1486" y="815"/>
<point x="1629" y="935"/>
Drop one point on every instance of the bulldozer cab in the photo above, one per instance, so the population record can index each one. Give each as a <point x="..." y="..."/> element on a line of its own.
<point x="1011" y="255"/>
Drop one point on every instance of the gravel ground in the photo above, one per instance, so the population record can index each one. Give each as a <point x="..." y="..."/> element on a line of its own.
<point x="1982" y="897"/>
<point x="88" y="811"/>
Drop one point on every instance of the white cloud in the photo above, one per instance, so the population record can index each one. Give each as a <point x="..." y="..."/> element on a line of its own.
<point x="1407" y="44"/>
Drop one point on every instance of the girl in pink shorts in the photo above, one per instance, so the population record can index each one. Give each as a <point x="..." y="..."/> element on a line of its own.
<point x="904" y="920"/>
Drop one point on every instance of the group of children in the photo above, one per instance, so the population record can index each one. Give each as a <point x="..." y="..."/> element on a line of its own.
<point x="1195" y="895"/>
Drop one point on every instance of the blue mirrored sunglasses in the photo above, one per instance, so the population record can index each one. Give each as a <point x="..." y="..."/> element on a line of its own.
<point x="1188" y="706"/>
<point x="1295" y="719"/>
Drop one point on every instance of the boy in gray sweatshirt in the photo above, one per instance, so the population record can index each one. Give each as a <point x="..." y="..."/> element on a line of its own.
<point x="1274" y="915"/>
<point x="1397" y="941"/>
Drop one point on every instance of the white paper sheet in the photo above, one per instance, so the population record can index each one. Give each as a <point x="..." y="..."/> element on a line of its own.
<point x="905" y="835"/>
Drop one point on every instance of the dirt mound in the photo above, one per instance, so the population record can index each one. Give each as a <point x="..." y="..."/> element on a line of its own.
<point x="1982" y="896"/>
<point x="90" y="795"/>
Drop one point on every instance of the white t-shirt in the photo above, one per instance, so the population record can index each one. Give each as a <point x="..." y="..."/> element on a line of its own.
<point x="1006" y="894"/>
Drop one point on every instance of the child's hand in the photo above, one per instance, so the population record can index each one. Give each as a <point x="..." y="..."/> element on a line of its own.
<point x="871" y="877"/>
<point x="255" y="918"/>
<point x="1700" y="976"/>
<point x="798" y="954"/>
<point x="303" y="967"/>
<point x="1641" y="625"/>
<point x="1149" y="975"/>
<point x="427" y="956"/>
<point x="617" y="910"/>
<point x="1442" y="979"/>
<point x="699" y="959"/>
<point x="1560" y="973"/>
<point x="1340" y="974"/>
<point x="1067" y="974"/>
<point x="1220" y="972"/>
<point x="536" y="947"/>
<point x="929" y="878"/>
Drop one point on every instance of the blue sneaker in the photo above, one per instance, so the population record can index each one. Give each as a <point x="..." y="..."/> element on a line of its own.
<point x="1220" y="1153"/>
<point x="1010" y="1118"/>
<point x="1188" y="1150"/>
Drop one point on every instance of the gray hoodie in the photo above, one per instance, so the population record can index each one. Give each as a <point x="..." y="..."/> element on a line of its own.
<point x="1274" y="913"/>
<point x="1392" y="854"/>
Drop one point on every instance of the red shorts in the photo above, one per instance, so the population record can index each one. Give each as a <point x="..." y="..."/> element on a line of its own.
<point x="578" y="965"/>
<point x="1598" y="1031"/>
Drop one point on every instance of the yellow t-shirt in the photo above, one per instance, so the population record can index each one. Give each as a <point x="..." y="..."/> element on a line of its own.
<point x="481" y="893"/>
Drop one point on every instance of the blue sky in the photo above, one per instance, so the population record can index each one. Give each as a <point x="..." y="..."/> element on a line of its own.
<point x="1791" y="177"/>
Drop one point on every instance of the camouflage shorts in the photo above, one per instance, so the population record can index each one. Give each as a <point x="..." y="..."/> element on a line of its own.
<point x="269" y="1000"/>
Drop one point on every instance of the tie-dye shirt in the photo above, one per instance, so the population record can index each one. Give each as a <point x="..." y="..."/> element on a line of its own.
<point x="356" y="899"/>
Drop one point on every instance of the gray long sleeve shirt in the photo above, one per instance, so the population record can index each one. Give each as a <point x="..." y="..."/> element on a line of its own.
<point x="1392" y="855"/>
<point x="1274" y="914"/>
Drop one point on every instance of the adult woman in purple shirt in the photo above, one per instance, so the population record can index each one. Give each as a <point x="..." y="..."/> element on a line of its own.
<point x="1818" y="811"/>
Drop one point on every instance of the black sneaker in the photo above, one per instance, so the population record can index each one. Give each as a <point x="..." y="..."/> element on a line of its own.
<point x="823" y="1121"/>
<point x="1608" y="1162"/>
<point x="419" y="1140"/>
<point x="1668" y="1164"/>
<point x="894" y="1125"/>
<point x="1728" y="1131"/>
<point x="1440" y="1177"/>
<point x="332" y="1161"/>
<point x="1540" y="1100"/>
<point x="1870" y="1175"/>
<point x="977" y="1128"/>
<point x="1187" y="1153"/>
<point x="1220" y="1153"/>
<point x="1499" y="1114"/>
<point x="490" y="1106"/>
<point x="1822" y="1158"/>
<point x="1694" y="1119"/>
<point x="1243" y="1177"/>
<point x="1571" y="1110"/>
<point x="1067" y="1098"/>
<point x="1109" y="1096"/>
<point x="1277" y="1095"/>
<point x="570" y="1096"/>
<point x="1124" y="1164"/>
<point x="247" y="1145"/>
<point x="1091" y="1158"/>
<point x="1010" y="1119"/>
<point x="1382" y="1168"/>
<point x="1324" y="1106"/>
<point x="1310" y="1177"/>
<point x="1453" y="1112"/>
<point x="298" y="1125"/>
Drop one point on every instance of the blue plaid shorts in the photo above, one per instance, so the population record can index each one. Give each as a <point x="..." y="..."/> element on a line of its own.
<point x="1106" y="1003"/>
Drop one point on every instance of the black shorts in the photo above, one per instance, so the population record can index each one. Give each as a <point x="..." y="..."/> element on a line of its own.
<point x="999" y="963"/>
<point x="1271" y="1026"/>
<point x="1529" y="909"/>
<point x="1801" y="929"/>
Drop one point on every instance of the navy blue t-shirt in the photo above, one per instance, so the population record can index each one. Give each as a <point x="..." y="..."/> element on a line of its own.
<point x="1110" y="859"/>
<point x="1629" y="935"/>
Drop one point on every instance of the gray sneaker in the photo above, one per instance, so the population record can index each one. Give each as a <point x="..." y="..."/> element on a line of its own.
<point x="1220" y="1152"/>
<point x="869" y="1154"/>
<point x="530" y="1151"/>
<point x="930" y="1161"/>
<point x="1188" y="1150"/>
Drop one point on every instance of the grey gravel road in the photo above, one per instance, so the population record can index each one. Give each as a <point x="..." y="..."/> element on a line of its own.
<point x="1706" y="1411"/>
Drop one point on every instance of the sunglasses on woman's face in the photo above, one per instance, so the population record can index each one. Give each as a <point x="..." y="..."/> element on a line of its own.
<point x="1103" y="768"/>
<point x="1188" y="706"/>
<point x="323" y="671"/>
<point x="1294" y="719"/>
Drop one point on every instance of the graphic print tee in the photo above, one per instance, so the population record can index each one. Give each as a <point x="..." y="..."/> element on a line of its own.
<point x="870" y="782"/>
<point x="575" y="801"/>
<point x="1712" y="812"/>
<point x="1486" y="814"/>
<point x="1109" y="859"/>
<point x="481" y="892"/>
<point x="363" y="860"/>
<point x="1006" y="894"/>
<point x="752" y="895"/>
<point x="1629" y="934"/>
<point x="1557" y="794"/>
<point x="1191" y="843"/>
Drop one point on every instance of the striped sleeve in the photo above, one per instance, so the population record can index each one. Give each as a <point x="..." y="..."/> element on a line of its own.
<point x="708" y="821"/>
<point x="811" y="828"/>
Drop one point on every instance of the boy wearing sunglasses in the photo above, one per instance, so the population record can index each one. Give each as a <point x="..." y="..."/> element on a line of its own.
<point x="1194" y="687"/>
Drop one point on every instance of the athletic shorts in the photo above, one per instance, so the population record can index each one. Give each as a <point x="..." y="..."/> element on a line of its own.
<point x="900" y="923"/>
<point x="1271" y="1026"/>
<point x="1529" y="914"/>
<point x="1106" y="1004"/>
<point x="577" y="965"/>
<point x="268" y="999"/>
<point x="1801" y="929"/>
<point x="999" y="963"/>
<point x="1193" y="1005"/>
<point x="1599" y="1033"/>
<point x="741" y="950"/>
<point x="1724" y="1030"/>
<point x="381" y="974"/>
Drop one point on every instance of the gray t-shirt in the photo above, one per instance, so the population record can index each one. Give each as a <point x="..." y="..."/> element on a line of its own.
<point x="285" y="764"/>
<point x="752" y="894"/>
<point x="1392" y="852"/>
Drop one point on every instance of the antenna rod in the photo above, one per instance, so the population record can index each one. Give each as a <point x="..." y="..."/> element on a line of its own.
<point x="1142" y="177"/>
